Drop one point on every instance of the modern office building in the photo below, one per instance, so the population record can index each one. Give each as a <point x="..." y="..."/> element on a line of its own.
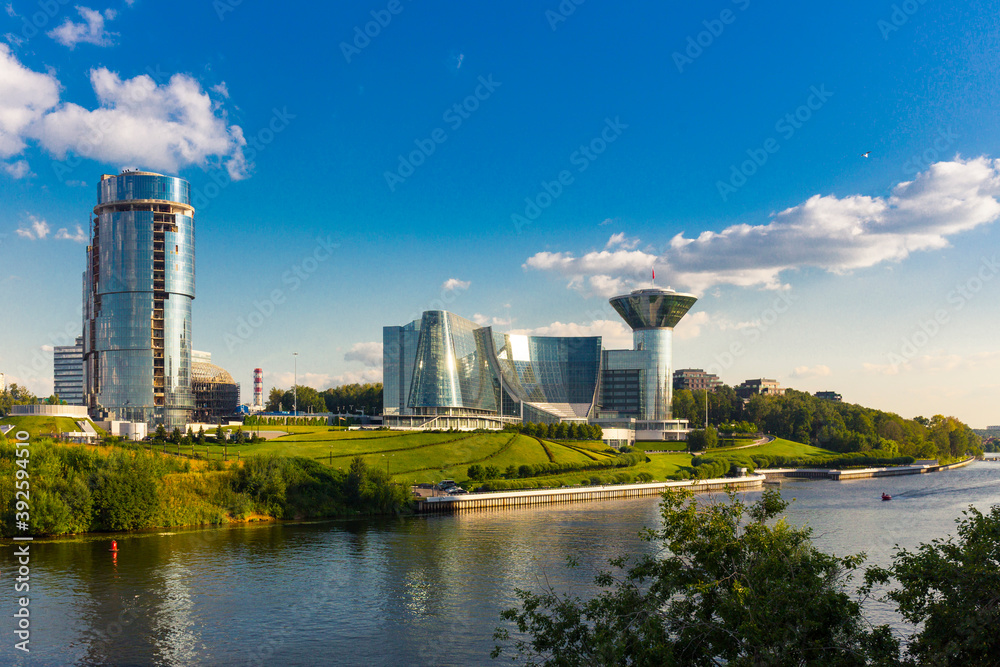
<point x="695" y="379"/>
<point x="138" y="290"/>
<point x="67" y="366"/>
<point x="3" y="383"/>
<point x="829" y="396"/>
<point x="444" y="371"/>
<point x="761" y="386"/>
<point x="216" y="393"/>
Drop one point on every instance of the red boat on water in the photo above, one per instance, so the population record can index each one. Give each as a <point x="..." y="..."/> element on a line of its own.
<point x="886" y="496"/>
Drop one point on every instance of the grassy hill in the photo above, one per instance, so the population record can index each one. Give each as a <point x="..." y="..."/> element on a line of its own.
<point x="412" y="457"/>
<point x="44" y="425"/>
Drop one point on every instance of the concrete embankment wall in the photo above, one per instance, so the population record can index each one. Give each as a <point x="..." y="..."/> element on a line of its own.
<point x="857" y="473"/>
<point x="510" y="499"/>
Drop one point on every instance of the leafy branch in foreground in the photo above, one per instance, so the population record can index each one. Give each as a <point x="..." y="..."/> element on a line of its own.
<point x="732" y="586"/>
<point x="952" y="588"/>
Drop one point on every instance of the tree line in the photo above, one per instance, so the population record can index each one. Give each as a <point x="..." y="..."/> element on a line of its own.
<point x="349" y="398"/>
<point x="76" y="489"/>
<point x="560" y="431"/>
<point x="841" y="427"/>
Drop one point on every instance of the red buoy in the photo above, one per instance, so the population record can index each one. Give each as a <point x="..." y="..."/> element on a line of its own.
<point x="114" y="546"/>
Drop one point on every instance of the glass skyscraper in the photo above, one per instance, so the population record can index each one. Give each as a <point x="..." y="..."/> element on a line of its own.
<point x="138" y="289"/>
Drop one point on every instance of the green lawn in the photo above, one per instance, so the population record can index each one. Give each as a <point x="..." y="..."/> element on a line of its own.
<point x="43" y="425"/>
<point x="420" y="457"/>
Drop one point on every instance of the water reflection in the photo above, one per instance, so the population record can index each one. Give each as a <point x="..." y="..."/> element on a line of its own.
<point x="425" y="590"/>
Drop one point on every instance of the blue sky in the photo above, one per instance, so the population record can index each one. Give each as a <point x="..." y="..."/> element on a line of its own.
<point x="518" y="163"/>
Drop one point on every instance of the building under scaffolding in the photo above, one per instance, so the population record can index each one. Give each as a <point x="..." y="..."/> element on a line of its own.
<point x="216" y="394"/>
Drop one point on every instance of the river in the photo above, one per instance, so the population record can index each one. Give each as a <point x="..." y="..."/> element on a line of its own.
<point x="413" y="591"/>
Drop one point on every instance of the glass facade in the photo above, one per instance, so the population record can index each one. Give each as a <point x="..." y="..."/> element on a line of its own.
<point x="652" y="314"/>
<point x="67" y="366"/>
<point x="657" y="373"/>
<point x="540" y="369"/>
<point x="452" y="366"/>
<point x="399" y="352"/>
<point x="443" y="365"/>
<point x="138" y="290"/>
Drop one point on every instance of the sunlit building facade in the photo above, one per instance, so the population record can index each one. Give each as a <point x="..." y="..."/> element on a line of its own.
<point x="138" y="291"/>
<point x="67" y="372"/>
<point x="444" y="371"/>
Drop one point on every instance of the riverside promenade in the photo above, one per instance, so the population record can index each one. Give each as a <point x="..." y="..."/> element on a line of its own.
<point x="856" y="473"/>
<point x="511" y="499"/>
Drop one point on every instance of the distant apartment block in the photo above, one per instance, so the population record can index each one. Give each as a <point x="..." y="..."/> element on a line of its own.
<point x="761" y="386"/>
<point x="67" y="366"/>
<point x="829" y="396"/>
<point x="695" y="379"/>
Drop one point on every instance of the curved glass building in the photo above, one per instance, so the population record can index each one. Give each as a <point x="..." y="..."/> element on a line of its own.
<point x="138" y="290"/>
<point x="652" y="315"/>
<point x="444" y="371"/>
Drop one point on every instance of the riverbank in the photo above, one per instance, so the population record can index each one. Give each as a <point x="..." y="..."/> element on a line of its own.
<point x="514" y="499"/>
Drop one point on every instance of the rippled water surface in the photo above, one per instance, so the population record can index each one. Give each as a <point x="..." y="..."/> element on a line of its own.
<point x="421" y="591"/>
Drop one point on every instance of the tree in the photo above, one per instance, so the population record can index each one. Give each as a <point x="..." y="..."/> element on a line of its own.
<point x="491" y="472"/>
<point x="950" y="589"/>
<point x="274" y="400"/>
<point x="732" y="589"/>
<point x="475" y="472"/>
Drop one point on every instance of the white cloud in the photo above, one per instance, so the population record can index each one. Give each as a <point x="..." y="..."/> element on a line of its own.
<point x="166" y="126"/>
<point x="80" y="236"/>
<point x="614" y="333"/>
<point x="370" y="354"/>
<point x="454" y="283"/>
<point x="487" y="321"/>
<point x="827" y="232"/>
<point x="38" y="229"/>
<point x="621" y="240"/>
<point x="811" y="371"/>
<point x="46" y="348"/>
<point x="10" y="10"/>
<point x="935" y="362"/>
<point x="318" y="381"/>
<point x="24" y="97"/>
<point x="690" y="326"/>
<point x="90" y="31"/>
<point x="221" y="89"/>
<point x="17" y="169"/>
<point x="368" y="375"/>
